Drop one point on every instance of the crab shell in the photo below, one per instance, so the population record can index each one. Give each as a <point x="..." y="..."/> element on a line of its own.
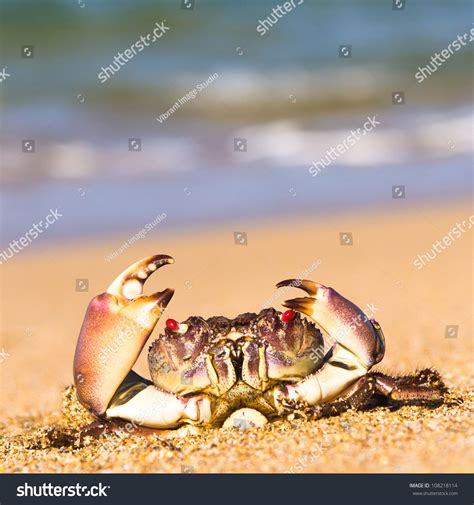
<point x="212" y="355"/>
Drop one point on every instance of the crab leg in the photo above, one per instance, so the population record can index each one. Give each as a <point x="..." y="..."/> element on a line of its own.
<point x="116" y="326"/>
<point x="358" y="344"/>
<point x="147" y="405"/>
<point x="425" y="386"/>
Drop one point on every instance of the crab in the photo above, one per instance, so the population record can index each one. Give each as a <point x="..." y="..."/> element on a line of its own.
<point x="203" y="371"/>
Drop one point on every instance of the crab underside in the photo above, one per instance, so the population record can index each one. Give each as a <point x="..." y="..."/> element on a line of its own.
<point x="256" y="366"/>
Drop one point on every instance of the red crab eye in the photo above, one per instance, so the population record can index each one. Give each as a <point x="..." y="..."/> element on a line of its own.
<point x="288" y="315"/>
<point x="172" y="324"/>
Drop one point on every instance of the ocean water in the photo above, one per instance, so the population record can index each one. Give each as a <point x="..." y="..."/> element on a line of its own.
<point x="288" y="94"/>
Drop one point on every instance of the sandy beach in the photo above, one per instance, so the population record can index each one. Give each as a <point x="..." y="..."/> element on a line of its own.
<point x="42" y="309"/>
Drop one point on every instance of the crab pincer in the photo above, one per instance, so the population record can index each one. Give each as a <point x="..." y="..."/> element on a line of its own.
<point x="357" y="343"/>
<point x="116" y="326"/>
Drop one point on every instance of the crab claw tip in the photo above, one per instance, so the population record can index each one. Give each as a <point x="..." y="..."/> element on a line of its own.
<point x="129" y="284"/>
<point x="304" y="305"/>
<point x="162" y="298"/>
<point x="309" y="286"/>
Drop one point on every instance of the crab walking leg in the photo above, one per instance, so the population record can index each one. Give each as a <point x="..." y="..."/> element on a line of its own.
<point x="116" y="326"/>
<point x="426" y="386"/>
<point x="356" y="396"/>
<point x="358" y="343"/>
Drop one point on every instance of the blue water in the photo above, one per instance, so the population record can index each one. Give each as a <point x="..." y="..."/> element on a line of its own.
<point x="102" y="206"/>
<point x="278" y="90"/>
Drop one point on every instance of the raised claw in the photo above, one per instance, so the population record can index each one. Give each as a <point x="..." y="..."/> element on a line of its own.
<point x="116" y="326"/>
<point x="340" y="318"/>
<point x="358" y="343"/>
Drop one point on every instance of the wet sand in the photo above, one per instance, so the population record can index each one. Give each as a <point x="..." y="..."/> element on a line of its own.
<point x="41" y="313"/>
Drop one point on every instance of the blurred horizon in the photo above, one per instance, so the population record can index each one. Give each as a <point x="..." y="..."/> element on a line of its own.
<point x="288" y="93"/>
